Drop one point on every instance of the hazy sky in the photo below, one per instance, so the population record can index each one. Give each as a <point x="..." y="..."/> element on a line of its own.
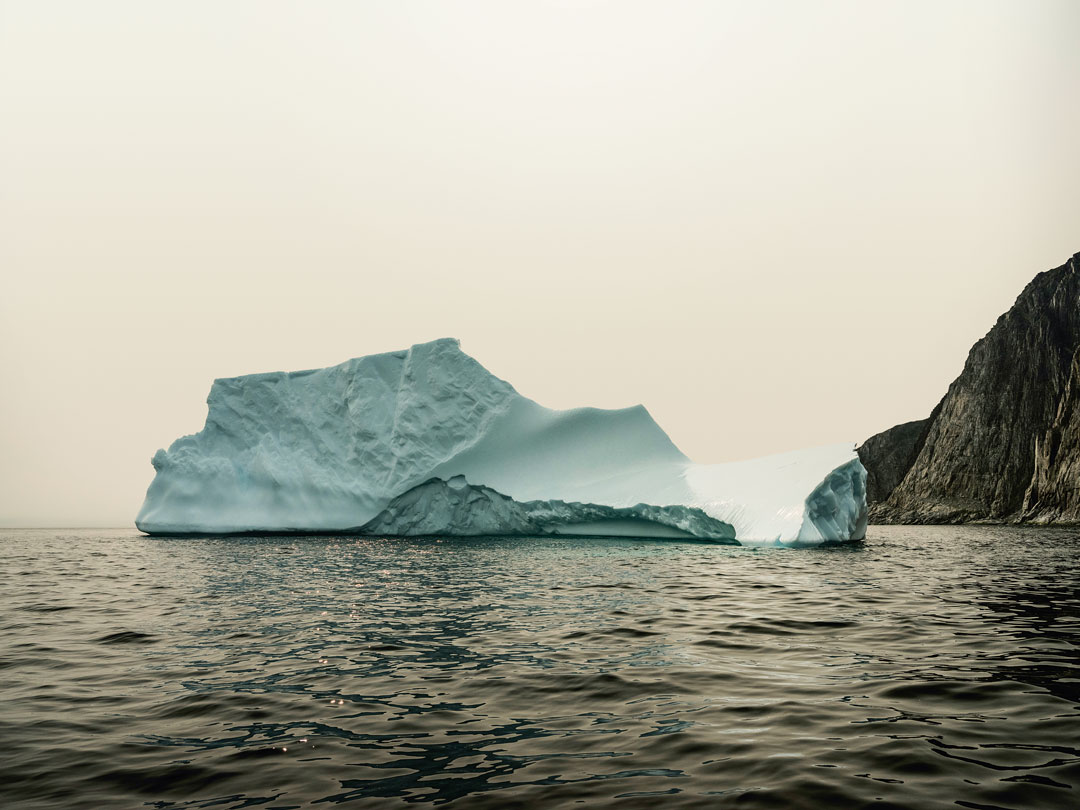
<point x="776" y="224"/>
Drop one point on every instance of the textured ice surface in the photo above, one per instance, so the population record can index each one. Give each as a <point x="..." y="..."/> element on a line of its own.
<point x="426" y="441"/>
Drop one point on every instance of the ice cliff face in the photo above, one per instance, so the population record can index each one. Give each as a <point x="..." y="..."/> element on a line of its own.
<point x="427" y="441"/>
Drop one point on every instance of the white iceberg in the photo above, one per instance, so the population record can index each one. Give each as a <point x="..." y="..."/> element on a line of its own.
<point x="428" y="442"/>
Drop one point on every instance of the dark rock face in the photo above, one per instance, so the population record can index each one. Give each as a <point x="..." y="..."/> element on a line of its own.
<point x="889" y="455"/>
<point x="1004" y="443"/>
<point x="1054" y="493"/>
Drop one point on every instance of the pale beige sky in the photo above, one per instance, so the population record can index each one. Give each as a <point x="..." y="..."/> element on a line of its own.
<point x="776" y="224"/>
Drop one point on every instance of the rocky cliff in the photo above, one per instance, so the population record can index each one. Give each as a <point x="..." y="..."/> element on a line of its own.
<point x="889" y="455"/>
<point x="1004" y="442"/>
<point x="1054" y="493"/>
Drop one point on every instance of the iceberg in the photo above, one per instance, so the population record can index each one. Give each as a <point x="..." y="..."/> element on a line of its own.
<point x="426" y="441"/>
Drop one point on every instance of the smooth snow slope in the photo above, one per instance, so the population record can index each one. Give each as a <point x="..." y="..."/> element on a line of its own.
<point x="427" y="441"/>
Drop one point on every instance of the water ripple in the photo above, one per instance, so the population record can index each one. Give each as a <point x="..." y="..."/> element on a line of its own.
<point x="930" y="667"/>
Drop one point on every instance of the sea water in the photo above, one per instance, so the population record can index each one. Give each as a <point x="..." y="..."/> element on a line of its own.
<point x="928" y="667"/>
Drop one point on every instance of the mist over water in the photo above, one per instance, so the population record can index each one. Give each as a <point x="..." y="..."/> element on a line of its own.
<point x="930" y="667"/>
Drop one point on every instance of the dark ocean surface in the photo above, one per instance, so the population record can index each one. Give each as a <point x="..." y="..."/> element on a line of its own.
<point x="930" y="667"/>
